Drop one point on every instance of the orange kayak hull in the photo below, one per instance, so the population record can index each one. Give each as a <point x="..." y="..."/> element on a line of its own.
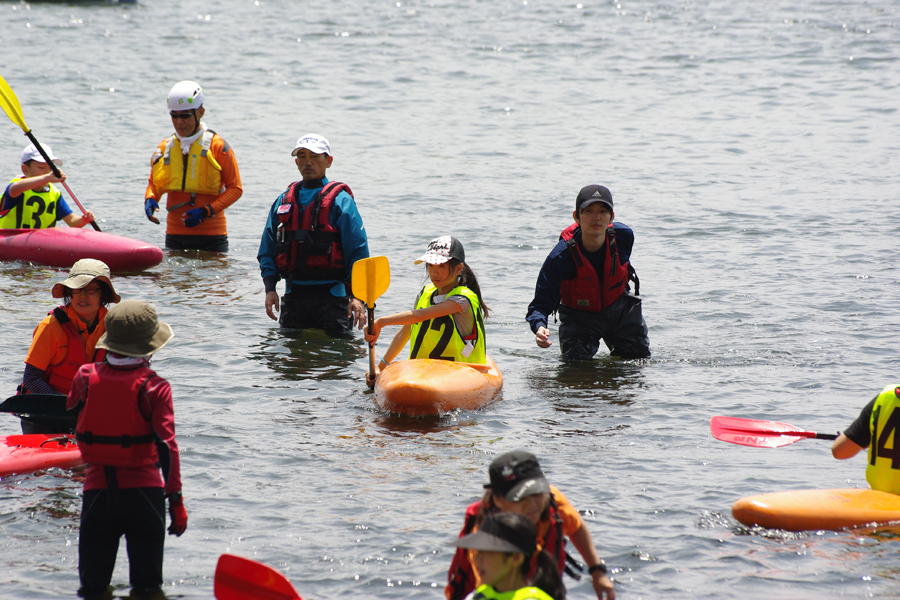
<point x="425" y="386"/>
<point x="803" y="510"/>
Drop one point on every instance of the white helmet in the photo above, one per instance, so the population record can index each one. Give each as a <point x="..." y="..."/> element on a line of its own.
<point x="185" y="95"/>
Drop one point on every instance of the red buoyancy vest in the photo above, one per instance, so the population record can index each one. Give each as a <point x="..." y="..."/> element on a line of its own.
<point x="586" y="291"/>
<point x="111" y="429"/>
<point x="60" y="376"/>
<point x="461" y="577"/>
<point x="308" y="246"/>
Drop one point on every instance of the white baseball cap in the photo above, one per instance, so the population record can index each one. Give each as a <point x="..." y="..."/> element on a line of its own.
<point x="32" y="153"/>
<point x="313" y="143"/>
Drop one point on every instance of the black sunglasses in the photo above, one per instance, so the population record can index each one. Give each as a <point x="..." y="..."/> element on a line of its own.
<point x="182" y="115"/>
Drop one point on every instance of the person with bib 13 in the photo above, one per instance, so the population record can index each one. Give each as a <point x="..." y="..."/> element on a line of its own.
<point x="197" y="171"/>
<point x="32" y="201"/>
<point x="448" y="320"/>
<point x="511" y="565"/>
<point x="878" y="423"/>
<point x="585" y="278"/>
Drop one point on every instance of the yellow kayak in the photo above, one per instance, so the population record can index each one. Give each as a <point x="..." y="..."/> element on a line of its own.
<point x="426" y="386"/>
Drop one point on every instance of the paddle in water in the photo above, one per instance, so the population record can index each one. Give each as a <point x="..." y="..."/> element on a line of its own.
<point x="760" y="434"/>
<point x="371" y="278"/>
<point x="13" y="110"/>
<point x="239" y="578"/>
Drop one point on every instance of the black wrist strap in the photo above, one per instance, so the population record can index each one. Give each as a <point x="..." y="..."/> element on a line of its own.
<point x="601" y="566"/>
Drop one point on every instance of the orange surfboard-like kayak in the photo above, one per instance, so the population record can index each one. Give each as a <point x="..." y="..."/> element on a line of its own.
<point x="803" y="510"/>
<point x="426" y="386"/>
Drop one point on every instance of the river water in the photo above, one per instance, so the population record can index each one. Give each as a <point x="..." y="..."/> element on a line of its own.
<point x="752" y="146"/>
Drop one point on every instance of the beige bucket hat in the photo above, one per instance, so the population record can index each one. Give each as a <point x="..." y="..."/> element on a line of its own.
<point x="82" y="273"/>
<point x="133" y="329"/>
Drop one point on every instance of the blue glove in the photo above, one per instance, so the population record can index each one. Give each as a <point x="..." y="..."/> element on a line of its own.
<point x="150" y="207"/>
<point x="195" y="216"/>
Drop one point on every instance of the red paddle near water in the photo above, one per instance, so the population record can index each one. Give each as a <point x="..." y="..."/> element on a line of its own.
<point x="239" y="578"/>
<point x="760" y="434"/>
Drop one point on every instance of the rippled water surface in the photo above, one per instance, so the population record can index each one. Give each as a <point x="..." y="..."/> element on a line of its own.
<point x="753" y="147"/>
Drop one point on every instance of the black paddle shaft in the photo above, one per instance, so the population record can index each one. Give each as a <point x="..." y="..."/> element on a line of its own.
<point x="55" y="170"/>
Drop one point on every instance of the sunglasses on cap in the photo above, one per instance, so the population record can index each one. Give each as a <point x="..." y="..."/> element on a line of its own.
<point x="182" y="115"/>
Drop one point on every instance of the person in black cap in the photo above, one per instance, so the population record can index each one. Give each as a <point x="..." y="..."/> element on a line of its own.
<point x="518" y="485"/>
<point x="586" y="279"/>
<point x="508" y="560"/>
<point x="448" y="320"/>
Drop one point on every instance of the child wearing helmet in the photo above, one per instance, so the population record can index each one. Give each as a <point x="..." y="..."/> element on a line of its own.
<point x="198" y="171"/>
<point x="450" y="304"/>
<point x="32" y="201"/>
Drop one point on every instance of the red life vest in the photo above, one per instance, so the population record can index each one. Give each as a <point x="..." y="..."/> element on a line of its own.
<point x="60" y="376"/>
<point x="111" y="429"/>
<point x="307" y="245"/>
<point x="586" y="291"/>
<point x="461" y="577"/>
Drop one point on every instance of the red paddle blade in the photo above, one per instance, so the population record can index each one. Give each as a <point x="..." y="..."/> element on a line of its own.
<point x="239" y="578"/>
<point x="758" y="434"/>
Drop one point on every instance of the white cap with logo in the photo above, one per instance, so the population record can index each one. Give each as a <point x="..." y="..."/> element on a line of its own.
<point x="313" y="143"/>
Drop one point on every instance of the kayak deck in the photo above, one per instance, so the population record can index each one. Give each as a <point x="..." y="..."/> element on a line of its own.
<point x="27" y="453"/>
<point x="425" y="386"/>
<point x="64" y="246"/>
<point x="803" y="510"/>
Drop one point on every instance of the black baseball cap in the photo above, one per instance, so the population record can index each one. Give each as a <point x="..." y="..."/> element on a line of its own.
<point x="516" y="475"/>
<point x="593" y="193"/>
<point x="503" y="532"/>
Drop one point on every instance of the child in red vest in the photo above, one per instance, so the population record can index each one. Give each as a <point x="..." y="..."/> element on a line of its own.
<point x="126" y="434"/>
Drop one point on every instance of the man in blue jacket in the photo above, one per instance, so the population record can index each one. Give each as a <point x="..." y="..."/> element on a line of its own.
<point x="586" y="279"/>
<point x="313" y="236"/>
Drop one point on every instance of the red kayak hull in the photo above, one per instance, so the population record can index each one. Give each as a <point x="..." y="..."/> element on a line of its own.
<point x="63" y="246"/>
<point x="27" y="453"/>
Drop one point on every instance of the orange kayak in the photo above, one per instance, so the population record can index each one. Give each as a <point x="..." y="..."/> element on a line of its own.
<point x="803" y="510"/>
<point x="426" y="386"/>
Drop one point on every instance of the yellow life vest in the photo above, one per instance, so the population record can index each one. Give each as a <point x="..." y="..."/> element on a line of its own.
<point x="200" y="175"/>
<point x="883" y="472"/>
<point x="37" y="210"/>
<point x="486" y="592"/>
<point x="439" y="338"/>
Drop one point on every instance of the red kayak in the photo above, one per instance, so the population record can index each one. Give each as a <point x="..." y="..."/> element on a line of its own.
<point x="27" y="453"/>
<point x="63" y="246"/>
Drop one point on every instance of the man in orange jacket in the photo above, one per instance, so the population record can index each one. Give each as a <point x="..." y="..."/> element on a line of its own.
<point x="198" y="171"/>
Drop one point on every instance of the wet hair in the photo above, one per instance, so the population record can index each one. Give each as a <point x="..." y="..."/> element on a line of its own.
<point x="106" y="294"/>
<point x="538" y="570"/>
<point x="468" y="279"/>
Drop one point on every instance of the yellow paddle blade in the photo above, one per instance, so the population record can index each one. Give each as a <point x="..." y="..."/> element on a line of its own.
<point x="11" y="105"/>
<point x="371" y="278"/>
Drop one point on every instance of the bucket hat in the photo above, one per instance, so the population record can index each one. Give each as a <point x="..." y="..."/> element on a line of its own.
<point x="133" y="329"/>
<point x="82" y="273"/>
<point x="504" y="532"/>
<point x="517" y="475"/>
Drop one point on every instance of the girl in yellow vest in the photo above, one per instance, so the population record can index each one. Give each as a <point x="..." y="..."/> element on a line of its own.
<point x="509" y="563"/>
<point x="876" y="428"/>
<point x="448" y="320"/>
